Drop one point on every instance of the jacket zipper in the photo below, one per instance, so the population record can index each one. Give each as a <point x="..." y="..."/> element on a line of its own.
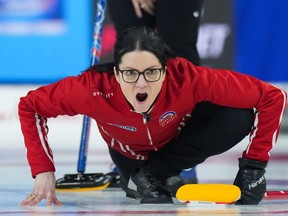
<point x="148" y="131"/>
<point x="146" y="118"/>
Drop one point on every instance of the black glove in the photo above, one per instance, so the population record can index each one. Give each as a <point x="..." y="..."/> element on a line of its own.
<point x="251" y="181"/>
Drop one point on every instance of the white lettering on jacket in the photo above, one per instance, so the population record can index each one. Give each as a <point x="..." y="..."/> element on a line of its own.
<point x="108" y="95"/>
<point x="129" y="128"/>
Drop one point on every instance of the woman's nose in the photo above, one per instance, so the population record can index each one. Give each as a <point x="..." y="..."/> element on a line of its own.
<point x="141" y="81"/>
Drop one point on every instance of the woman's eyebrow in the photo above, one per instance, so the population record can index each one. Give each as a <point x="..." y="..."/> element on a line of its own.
<point x="131" y="68"/>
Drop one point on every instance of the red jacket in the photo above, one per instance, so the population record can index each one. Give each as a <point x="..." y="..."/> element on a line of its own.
<point x="99" y="96"/>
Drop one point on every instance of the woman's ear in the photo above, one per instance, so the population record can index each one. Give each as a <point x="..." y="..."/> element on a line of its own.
<point x="165" y="69"/>
<point x="116" y="74"/>
<point x="164" y="72"/>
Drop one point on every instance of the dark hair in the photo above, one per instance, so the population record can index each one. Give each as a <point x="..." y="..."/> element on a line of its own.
<point x="139" y="38"/>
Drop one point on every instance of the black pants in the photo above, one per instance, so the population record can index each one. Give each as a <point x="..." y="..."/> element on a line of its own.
<point x="174" y="20"/>
<point x="212" y="130"/>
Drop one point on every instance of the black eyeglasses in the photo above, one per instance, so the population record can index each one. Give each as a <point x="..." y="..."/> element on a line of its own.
<point x="132" y="76"/>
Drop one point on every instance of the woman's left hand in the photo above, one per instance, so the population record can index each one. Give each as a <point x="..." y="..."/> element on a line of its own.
<point x="44" y="188"/>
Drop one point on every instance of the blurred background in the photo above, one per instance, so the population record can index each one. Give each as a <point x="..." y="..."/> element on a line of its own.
<point x="42" y="41"/>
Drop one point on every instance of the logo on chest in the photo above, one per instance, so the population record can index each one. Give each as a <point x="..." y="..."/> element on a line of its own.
<point x="124" y="127"/>
<point x="167" y="117"/>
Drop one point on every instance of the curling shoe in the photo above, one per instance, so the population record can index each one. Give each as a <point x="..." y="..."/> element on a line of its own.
<point x="173" y="183"/>
<point x="150" y="188"/>
<point x="187" y="176"/>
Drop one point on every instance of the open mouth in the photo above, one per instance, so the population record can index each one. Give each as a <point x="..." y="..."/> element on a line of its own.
<point x="141" y="97"/>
